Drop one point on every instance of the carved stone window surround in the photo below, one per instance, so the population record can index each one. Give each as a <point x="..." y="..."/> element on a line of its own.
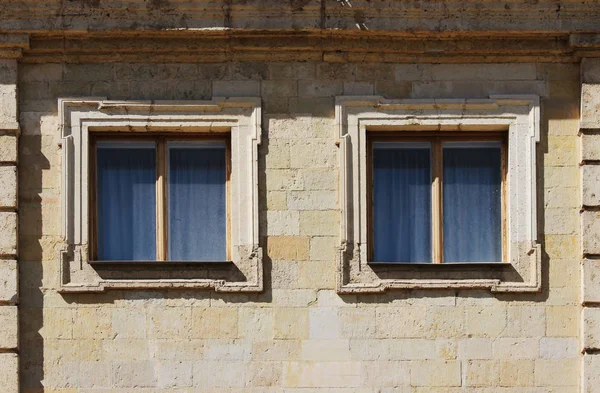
<point x="239" y="116"/>
<point x="517" y="114"/>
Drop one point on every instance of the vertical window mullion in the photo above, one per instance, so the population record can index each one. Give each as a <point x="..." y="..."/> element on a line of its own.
<point x="437" y="202"/>
<point x="161" y="200"/>
<point x="504" y="193"/>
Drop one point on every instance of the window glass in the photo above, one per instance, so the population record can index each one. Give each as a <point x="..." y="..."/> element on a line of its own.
<point x="402" y="202"/>
<point x="126" y="176"/>
<point x="472" y="178"/>
<point x="197" y="201"/>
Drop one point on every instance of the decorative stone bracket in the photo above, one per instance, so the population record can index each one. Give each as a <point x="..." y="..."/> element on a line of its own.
<point x="518" y="115"/>
<point x="239" y="116"/>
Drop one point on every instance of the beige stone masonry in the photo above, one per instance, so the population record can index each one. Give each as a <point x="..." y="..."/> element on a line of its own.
<point x="590" y="223"/>
<point x="10" y="49"/>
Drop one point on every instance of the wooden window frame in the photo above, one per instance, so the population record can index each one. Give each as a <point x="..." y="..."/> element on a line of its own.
<point x="161" y="140"/>
<point x="437" y="202"/>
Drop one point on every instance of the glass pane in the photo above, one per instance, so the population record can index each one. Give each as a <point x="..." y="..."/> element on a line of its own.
<point x="197" y="216"/>
<point x="472" y="202"/>
<point x="402" y="202"/>
<point x="126" y="175"/>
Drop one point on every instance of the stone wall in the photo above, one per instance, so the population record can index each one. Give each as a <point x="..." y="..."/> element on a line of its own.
<point x="299" y="335"/>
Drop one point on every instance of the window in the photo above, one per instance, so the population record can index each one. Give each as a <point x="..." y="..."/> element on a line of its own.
<point x="438" y="194"/>
<point x="437" y="197"/>
<point x="162" y="198"/>
<point x="160" y="195"/>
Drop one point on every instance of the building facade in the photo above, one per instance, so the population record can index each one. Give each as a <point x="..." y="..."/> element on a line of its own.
<point x="295" y="99"/>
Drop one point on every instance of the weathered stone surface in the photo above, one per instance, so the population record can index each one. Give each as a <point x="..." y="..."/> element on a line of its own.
<point x="8" y="233"/>
<point x="8" y="281"/>
<point x="8" y="148"/>
<point x="590" y="146"/>
<point x="9" y="326"/>
<point x="590" y="182"/>
<point x="8" y="186"/>
<point x="591" y="280"/>
<point x="591" y="328"/>
<point x="9" y="373"/>
<point x="590" y="70"/>
<point x="590" y="232"/>
<point x="590" y="106"/>
<point x="591" y="373"/>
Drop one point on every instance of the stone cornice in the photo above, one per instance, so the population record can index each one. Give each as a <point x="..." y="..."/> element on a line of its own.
<point x="330" y="46"/>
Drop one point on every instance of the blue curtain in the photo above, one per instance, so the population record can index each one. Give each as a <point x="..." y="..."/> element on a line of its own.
<point x="472" y="202"/>
<point x="197" y="216"/>
<point x="126" y="199"/>
<point x="402" y="202"/>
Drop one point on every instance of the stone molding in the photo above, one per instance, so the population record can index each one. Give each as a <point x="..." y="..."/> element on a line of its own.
<point x="518" y="114"/>
<point x="240" y="116"/>
<point x="221" y="45"/>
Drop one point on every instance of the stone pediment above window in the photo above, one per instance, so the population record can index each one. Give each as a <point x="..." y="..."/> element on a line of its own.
<point x="509" y="122"/>
<point x="90" y="123"/>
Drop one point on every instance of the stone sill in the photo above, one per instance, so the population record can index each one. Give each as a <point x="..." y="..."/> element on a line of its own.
<point x="157" y="264"/>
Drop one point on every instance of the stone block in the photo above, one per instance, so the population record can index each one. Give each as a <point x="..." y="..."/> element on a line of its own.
<point x="324" y="323"/>
<point x="321" y="374"/>
<point x="556" y="373"/>
<point x="399" y="322"/>
<point x="169" y="322"/>
<point x="256" y="324"/>
<point x="485" y="72"/>
<point x="9" y="327"/>
<point x="323" y="248"/>
<point x="591" y="328"/>
<point x="316" y="153"/>
<point x="282" y="223"/>
<point x="395" y="375"/>
<point x="284" y="180"/>
<point x="358" y="88"/>
<point x="319" y="223"/>
<point x="219" y="374"/>
<point x="289" y="127"/>
<point x="516" y="373"/>
<point x="214" y="322"/>
<point x="590" y="184"/>
<point x="263" y="374"/>
<point x="590" y="232"/>
<point x="276" y="153"/>
<point x="276" y="350"/>
<point x="8" y="148"/>
<point x="559" y="348"/>
<point x="9" y="373"/>
<point x="316" y="106"/>
<point x="8" y="186"/>
<point x="312" y="200"/>
<point x="8" y="281"/>
<point x="326" y="350"/>
<point x="280" y="89"/>
<point x="590" y="147"/>
<point x="591" y="280"/>
<point x="433" y="373"/>
<point x="515" y="348"/>
<point x="245" y="88"/>
<point x="128" y="323"/>
<point x="475" y="348"/>
<point x="480" y="373"/>
<point x="590" y="70"/>
<point x="289" y="248"/>
<point x="590" y="106"/>
<point x="134" y="374"/>
<point x="485" y="321"/>
<point x="290" y="323"/>
<point x="174" y="374"/>
<point x="591" y="373"/>
<point x="357" y="322"/>
<point x="562" y="151"/>
<point x="8" y="233"/>
<point x="318" y="88"/>
<point x="316" y="274"/>
<point x="562" y="321"/>
<point x="93" y="323"/>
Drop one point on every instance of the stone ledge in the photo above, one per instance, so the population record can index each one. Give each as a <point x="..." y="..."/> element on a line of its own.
<point x="590" y="145"/>
<point x="590" y="232"/>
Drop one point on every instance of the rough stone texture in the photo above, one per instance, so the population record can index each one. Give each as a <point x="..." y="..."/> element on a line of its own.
<point x="590" y="180"/>
<point x="8" y="233"/>
<point x="8" y="187"/>
<point x="590" y="232"/>
<point x="590" y="106"/>
<point x="8" y="281"/>
<point x="591" y="328"/>
<point x="591" y="373"/>
<point x="9" y="327"/>
<point x="590" y="146"/>
<point x="9" y="373"/>
<point x="298" y="336"/>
